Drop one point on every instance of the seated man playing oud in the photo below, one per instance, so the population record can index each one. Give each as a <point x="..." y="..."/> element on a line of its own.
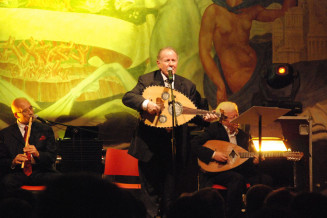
<point x="234" y="179"/>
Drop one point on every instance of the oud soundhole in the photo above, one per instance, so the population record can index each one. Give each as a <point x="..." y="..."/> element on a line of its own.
<point x="162" y="119"/>
<point x="178" y="109"/>
<point x="165" y="96"/>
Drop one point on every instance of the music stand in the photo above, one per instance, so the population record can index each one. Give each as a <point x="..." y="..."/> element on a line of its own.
<point x="262" y="116"/>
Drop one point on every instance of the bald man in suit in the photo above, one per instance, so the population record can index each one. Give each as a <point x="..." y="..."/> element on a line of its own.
<point x="41" y="149"/>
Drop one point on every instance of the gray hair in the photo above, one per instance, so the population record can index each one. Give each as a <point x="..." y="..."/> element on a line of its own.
<point x="227" y="106"/>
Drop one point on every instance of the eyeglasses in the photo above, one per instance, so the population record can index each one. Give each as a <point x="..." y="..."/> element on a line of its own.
<point x="31" y="108"/>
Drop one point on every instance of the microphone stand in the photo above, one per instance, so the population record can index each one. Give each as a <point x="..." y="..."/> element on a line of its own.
<point x="75" y="130"/>
<point x="174" y="120"/>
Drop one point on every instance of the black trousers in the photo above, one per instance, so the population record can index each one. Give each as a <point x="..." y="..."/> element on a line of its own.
<point x="157" y="184"/>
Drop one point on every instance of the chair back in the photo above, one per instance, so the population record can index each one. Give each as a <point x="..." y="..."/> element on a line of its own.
<point x="119" y="162"/>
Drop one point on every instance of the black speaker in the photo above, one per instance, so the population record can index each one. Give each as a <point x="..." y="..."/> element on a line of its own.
<point x="80" y="150"/>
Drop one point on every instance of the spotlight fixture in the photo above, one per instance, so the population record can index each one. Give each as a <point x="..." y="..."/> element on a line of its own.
<point x="278" y="88"/>
<point x="280" y="76"/>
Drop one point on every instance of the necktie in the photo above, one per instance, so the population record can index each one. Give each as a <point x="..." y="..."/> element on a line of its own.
<point x="28" y="165"/>
<point x="167" y="84"/>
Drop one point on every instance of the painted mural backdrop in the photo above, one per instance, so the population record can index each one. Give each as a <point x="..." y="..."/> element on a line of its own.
<point x="74" y="59"/>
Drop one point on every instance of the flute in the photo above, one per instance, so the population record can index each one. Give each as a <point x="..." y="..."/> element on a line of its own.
<point x="28" y="136"/>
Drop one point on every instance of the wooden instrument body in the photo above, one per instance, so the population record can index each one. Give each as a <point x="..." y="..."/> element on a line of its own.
<point x="231" y="150"/>
<point x="238" y="155"/>
<point x="185" y="108"/>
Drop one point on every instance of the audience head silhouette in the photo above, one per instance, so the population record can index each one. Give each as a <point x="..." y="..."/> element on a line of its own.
<point x="206" y="202"/>
<point x="279" y="198"/>
<point x="310" y="204"/>
<point x="255" y="197"/>
<point x="85" y="195"/>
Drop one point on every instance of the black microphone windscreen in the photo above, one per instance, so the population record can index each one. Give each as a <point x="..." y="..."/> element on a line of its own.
<point x="170" y="74"/>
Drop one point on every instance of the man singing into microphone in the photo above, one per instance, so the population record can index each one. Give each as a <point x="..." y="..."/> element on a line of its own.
<point x="152" y="146"/>
<point x="37" y="157"/>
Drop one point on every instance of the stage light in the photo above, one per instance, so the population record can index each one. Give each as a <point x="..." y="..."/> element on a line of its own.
<point x="281" y="70"/>
<point x="280" y="75"/>
<point x="269" y="144"/>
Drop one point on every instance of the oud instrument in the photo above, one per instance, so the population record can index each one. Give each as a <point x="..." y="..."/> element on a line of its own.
<point x="238" y="155"/>
<point x="184" y="107"/>
<point x="28" y="136"/>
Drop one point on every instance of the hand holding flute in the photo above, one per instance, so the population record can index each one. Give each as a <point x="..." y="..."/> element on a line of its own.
<point x="27" y="137"/>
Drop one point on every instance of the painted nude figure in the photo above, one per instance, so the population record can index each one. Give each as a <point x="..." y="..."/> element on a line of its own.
<point x="226" y="24"/>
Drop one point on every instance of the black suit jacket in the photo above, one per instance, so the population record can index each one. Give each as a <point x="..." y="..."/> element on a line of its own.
<point x="12" y="143"/>
<point x="149" y="141"/>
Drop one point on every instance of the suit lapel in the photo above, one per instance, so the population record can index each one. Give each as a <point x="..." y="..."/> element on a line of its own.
<point x="225" y="135"/>
<point x="158" y="80"/>
<point x="17" y="134"/>
<point x="222" y="133"/>
<point x="18" y="138"/>
<point x="35" y="133"/>
<point x="178" y="84"/>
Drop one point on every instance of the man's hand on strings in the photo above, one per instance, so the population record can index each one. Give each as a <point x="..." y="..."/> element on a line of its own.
<point x="152" y="108"/>
<point x="219" y="156"/>
<point x="209" y="117"/>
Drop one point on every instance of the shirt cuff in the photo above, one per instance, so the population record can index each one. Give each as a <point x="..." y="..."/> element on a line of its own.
<point x="145" y="104"/>
<point x="212" y="157"/>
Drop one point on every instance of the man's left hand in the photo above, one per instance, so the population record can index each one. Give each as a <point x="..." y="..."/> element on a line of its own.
<point x="209" y="117"/>
<point x="32" y="150"/>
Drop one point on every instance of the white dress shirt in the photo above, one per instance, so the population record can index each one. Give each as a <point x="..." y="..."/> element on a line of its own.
<point x="165" y="79"/>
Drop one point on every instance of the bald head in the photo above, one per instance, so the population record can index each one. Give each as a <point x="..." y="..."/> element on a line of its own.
<point x="22" y="110"/>
<point x="18" y="103"/>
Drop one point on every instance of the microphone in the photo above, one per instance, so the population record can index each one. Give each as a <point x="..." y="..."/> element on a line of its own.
<point x="170" y="74"/>
<point x="40" y="119"/>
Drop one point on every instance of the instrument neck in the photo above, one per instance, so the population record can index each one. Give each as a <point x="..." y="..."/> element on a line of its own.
<point x="264" y="154"/>
<point x="187" y="110"/>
